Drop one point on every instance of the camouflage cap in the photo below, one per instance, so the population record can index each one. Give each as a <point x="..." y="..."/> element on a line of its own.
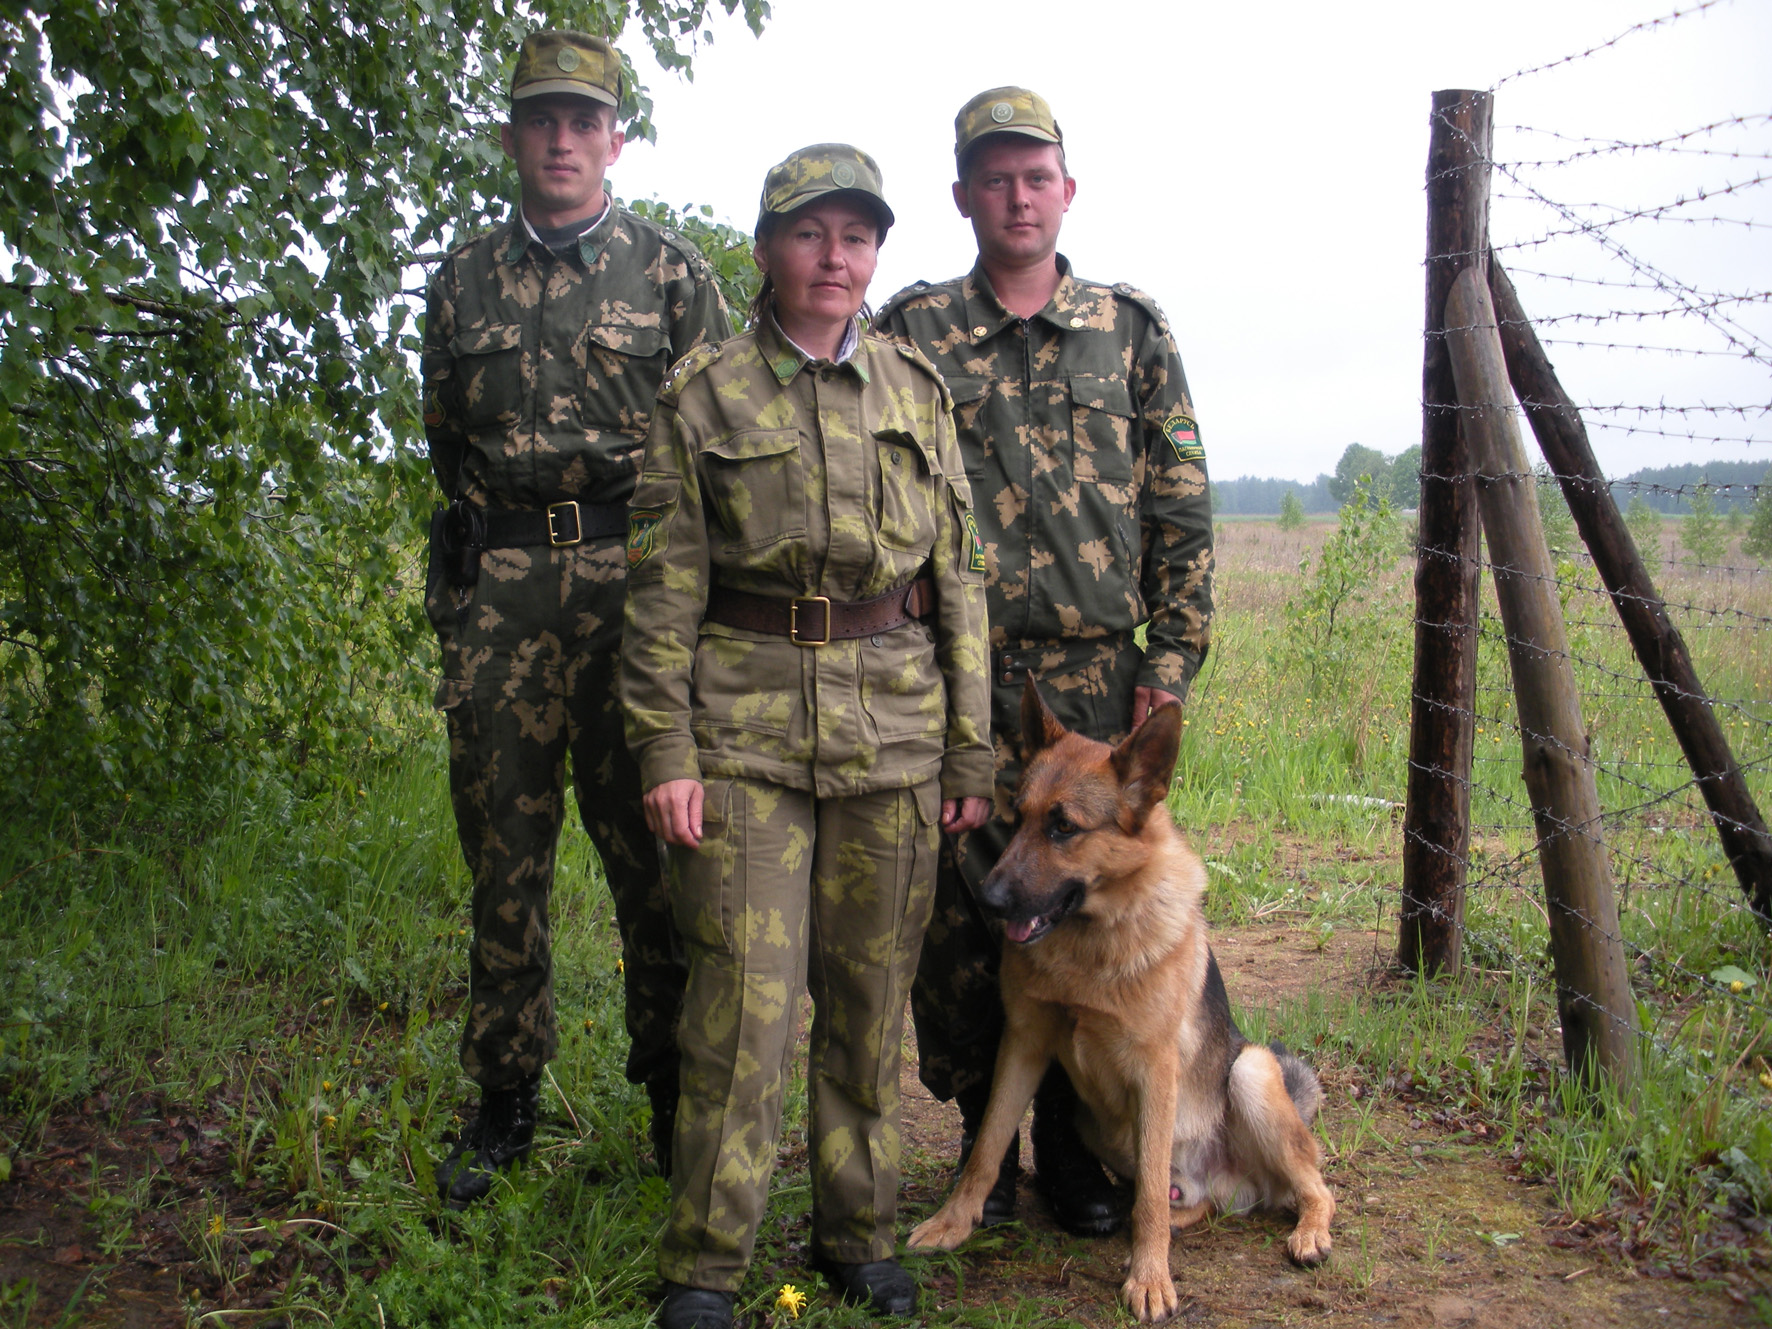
<point x="1005" y="111"/>
<point x="570" y="62"/>
<point x="824" y="168"/>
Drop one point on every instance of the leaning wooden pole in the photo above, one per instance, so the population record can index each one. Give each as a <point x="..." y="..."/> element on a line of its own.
<point x="1593" y="983"/>
<point x="1436" y="820"/>
<point x="1659" y="646"/>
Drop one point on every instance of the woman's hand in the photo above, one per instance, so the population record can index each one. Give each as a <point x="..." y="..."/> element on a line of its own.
<point x="964" y="814"/>
<point x="673" y="812"/>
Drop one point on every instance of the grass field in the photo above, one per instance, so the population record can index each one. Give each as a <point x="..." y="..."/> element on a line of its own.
<point x="227" y="1043"/>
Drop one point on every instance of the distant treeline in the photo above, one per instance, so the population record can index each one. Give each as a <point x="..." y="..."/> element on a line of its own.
<point x="1251" y="495"/>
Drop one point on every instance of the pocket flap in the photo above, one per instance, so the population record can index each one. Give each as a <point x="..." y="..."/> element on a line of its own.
<point x="629" y="340"/>
<point x="892" y="440"/>
<point x="486" y="340"/>
<point x="751" y="443"/>
<point x="1102" y="394"/>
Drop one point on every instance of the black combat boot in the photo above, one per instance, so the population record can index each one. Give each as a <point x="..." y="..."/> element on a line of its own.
<point x="885" y="1286"/>
<point x="661" y="1091"/>
<point x="1065" y="1172"/>
<point x="501" y="1132"/>
<point x="694" y="1308"/>
<point x="999" y="1205"/>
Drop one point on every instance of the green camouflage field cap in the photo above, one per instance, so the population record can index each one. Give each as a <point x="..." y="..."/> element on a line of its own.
<point x="571" y="62"/>
<point x="824" y="168"/>
<point x="1005" y="111"/>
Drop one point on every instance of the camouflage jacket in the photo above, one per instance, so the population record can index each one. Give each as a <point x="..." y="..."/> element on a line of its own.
<point x="540" y="369"/>
<point x="1085" y="463"/>
<point x="771" y="473"/>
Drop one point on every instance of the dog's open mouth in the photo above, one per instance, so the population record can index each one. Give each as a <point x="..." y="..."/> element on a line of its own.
<point x="1034" y="926"/>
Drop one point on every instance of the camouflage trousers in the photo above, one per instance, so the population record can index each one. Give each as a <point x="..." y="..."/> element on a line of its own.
<point x="790" y="892"/>
<point x="530" y="656"/>
<point x="955" y="1001"/>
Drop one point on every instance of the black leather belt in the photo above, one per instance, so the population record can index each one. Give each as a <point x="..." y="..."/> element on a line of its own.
<point x="558" y="524"/>
<point x="814" y="620"/>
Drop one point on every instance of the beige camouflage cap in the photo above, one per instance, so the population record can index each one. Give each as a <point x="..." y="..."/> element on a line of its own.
<point x="1005" y="111"/>
<point x="824" y="168"/>
<point x="570" y="62"/>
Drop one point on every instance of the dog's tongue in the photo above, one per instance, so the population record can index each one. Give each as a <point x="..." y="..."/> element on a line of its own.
<point x="1017" y="931"/>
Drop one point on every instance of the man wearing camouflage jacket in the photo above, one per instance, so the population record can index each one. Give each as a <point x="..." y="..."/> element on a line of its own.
<point x="1090" y="487"/>
<point x="545" y="343"/>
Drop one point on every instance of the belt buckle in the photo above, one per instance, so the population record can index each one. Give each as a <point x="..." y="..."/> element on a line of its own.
<point x="556" y="510"/>
<point x="824" y="603"/>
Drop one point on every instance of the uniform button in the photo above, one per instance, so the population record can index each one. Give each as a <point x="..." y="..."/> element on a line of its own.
<point x="979" y="331"/>
<point x="1076" y="322"/>
<point x="876" y="641"/>
<point x="1008" y="677"/>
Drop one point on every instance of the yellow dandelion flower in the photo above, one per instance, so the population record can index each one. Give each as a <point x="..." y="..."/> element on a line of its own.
<point x="589" y="1027"/>
<point x="215" y="1225"/>
<point x="620" y="966"/>
<point x="382" y="1007"/>
<point x="326" y="1086"/>
<point x="1766" y="1079"/>
<point x="1737" y="987"/>
<point x="791" y="1300"/>
<point x="329" y="1121"/>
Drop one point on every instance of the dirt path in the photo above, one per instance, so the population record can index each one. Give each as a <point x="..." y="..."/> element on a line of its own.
<point x="1433" y="1229"/>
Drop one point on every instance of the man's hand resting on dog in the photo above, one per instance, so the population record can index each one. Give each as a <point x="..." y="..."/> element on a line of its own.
<point x="673" y="812"/>
<point x="1145" y="700"/>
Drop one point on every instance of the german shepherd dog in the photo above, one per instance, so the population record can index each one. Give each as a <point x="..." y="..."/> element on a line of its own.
<point x="1106" y="968"/>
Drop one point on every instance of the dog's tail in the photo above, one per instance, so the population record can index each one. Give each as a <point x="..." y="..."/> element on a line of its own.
<point x="1302" y="1086"/>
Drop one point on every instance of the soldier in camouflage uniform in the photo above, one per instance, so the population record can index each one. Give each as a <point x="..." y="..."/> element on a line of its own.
<point x="1090" y="484"/>
<point x="545" y="344"/>
<point x="804" y="672"/>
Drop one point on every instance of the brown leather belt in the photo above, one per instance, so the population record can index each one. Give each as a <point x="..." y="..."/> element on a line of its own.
<point x="814" y="620"/>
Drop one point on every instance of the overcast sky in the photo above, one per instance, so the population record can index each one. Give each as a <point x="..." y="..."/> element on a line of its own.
<point x="1259" y="170"/>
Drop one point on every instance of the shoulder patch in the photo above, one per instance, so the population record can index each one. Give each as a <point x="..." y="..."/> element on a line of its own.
<point x="687" y="368"/>
<point x="642" y="534"/>
<point x="910" y="352"/>
<point x="1184" y="436"/>
<point x="1144" y="302"/>
<point x="975" y="559"/>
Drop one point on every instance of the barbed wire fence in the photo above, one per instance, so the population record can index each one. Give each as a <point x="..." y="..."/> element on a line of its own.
<point x="1594" y="275"/>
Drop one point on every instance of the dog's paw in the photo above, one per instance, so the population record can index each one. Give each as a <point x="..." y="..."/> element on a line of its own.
<point x="1308" y="1245"/>
<point x="943" y="1232"/>
<point x="1151" y="1298"/>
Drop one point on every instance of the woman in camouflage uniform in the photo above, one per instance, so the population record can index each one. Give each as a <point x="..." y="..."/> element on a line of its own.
<point x="803" y="669"/>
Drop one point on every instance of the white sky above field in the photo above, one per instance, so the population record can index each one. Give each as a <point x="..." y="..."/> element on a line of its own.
<point x="1259" y="170"/>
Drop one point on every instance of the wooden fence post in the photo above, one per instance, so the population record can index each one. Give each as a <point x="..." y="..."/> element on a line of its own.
<point x="1436" y="820"/>
<point x="1659" y="646"/>
<point x="1593" y="984"/>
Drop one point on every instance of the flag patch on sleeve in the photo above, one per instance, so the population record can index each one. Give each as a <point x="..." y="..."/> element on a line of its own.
<point x="1184" y="436"/>
<point x="642" y="535"/>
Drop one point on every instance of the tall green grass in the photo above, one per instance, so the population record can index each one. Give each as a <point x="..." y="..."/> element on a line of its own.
<point x="290" y="970"/>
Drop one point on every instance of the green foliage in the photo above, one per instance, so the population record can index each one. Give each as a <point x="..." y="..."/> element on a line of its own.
<point x="1757" y="543"/>
<point x="1553" y="512"/>
<point x="1325" y="628"/>
<point x="1645" y="530"/>
<point x="1291" y="512"/>
<point x="1359" y="462"/>
<point x="214" y="220"/>
<point x="1701" y="533"/>
<point x="1405" y="478"/>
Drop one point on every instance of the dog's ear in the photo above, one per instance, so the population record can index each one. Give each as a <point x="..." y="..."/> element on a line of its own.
<point x="1040" y="728"/>
<point x="1145" y="762"/>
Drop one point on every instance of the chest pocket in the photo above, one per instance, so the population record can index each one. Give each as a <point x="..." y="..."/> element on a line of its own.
<point x="489" y="370"/>
<point x="969" y="392"/>
<point x="907" y="490"/>
<point x="623" y="368"/>
<point x="755" y="488"/>
<point x="1103" y="424"/>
